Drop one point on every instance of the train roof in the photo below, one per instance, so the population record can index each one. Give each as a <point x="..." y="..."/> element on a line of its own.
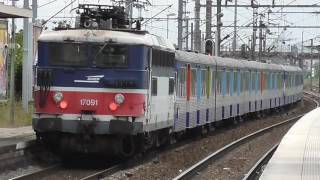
<point x="228" y="62"/>
<point x="102" y="36"/>
<point x="291" y="68"/>
<point x="192" y="57"/>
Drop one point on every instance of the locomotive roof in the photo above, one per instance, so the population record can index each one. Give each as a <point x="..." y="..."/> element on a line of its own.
<point x="102" y="36"/>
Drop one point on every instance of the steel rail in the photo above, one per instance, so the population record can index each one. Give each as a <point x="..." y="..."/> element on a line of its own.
<point x="190" y="172"/>
<point x="104" y="173"/>
<point x="36" y="174"/>
<point x="254" y="172"/>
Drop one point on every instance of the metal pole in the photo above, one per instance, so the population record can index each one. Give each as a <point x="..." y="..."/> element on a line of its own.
<point x="35" y="10"/>
<point x="191" y="36"/>
<point x="260" y="39"/>
<point x="25" y="69"/>
<point x="12" y="75"/>
<point x="180" y="12"/>
<point x="302" y="47"/>
<point x="197" y="34"/>
<point x="128" y="9"/>
<point x="218" y="33"/>
<point x="254" y="35"/>
<point x="187" y="33"/>
<point x="234" y="44"/>
<point x="311" y="61"/>
<point x="167" y="26"/>
<point x="208" y="19"/>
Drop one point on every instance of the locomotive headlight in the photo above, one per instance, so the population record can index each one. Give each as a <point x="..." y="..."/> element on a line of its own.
<point x="57" y="97"/>
<point x="119" y="98"/>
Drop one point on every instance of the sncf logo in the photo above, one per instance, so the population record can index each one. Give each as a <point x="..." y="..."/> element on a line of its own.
<point x="90" y="79"/>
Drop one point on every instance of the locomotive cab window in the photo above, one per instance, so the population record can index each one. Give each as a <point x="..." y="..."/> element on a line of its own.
<point x="67" y="54"/>
<point x="110" y="55"/>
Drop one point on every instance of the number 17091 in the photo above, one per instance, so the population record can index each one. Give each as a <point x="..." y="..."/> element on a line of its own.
<point x="88" y="102"/>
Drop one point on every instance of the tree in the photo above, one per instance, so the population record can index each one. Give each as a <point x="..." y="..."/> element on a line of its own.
<point x="18" y="65"/>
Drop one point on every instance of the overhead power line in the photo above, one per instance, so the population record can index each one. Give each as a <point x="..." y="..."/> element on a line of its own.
<point x="271" y="6"/>
<point x="45" y="4"/>
<point x="45" y="22"/>
<point x="157" y="14"/>
<point x="272" y="26"/>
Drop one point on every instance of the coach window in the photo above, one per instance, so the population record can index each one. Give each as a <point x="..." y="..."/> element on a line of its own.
<point x="235" y="81"/>
<point x="279" y="81"/>
<point x="224" y="84"/>
<point x="218" y="82"/>
<point x="181" y="90"/>
<point x="171" y="86"/>
<point x="275" y="77"/>
<point x="270" y="81"/>
<point x="208" y="82"/>
<point x="249" y="84"/>
<point x="203" y="83"/>
<point x="228" y="79"/>
<point x="259" y="82"/>
<point x="231" y="82"/>
<point x="154" y="86"/>
<point x="193" y="82"/>
<point x="242" y="81"/>
<point x="253" y="79"/>
<point x="213" y="82"/>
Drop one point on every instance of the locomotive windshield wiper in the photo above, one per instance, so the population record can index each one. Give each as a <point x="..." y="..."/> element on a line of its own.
<point x="100" y="50"/>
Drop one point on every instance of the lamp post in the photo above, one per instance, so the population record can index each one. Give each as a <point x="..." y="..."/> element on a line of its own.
<point x="168" y="15"/>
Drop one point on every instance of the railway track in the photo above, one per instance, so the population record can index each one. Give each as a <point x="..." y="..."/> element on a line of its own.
<point x="223" y="152"/>
<point x="257" y="169"/>
<point x="59" y="170"/>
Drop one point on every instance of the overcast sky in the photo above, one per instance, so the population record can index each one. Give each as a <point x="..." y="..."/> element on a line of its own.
<point x="290" y="36"/>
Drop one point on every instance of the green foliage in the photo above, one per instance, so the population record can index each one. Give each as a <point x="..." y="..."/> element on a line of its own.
<point x="18" y="64"/>
<point x="20" y="117"/>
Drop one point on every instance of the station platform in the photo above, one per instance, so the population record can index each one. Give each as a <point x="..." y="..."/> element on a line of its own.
<point x="298" y="154"/>
<point x="15" y="138"/>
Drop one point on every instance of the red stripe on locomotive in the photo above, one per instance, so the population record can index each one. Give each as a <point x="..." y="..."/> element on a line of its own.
<point x="95" y="102"/>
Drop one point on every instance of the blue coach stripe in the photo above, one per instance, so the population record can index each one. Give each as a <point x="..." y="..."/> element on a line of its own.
<point x="207" y="115"/>
<point x="187" y="120"/>
<point x="198" y="117"/>
<point x="222" y="112"/>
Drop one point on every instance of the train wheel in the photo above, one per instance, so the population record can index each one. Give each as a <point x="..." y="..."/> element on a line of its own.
<point x="204" y="131"/>
<point x="125" y="146"/>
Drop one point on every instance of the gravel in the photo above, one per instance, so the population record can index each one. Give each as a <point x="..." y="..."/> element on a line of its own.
<point x="19" y="172"/>
<point x="171" y="163"/>
<point x="239" y="161"/>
